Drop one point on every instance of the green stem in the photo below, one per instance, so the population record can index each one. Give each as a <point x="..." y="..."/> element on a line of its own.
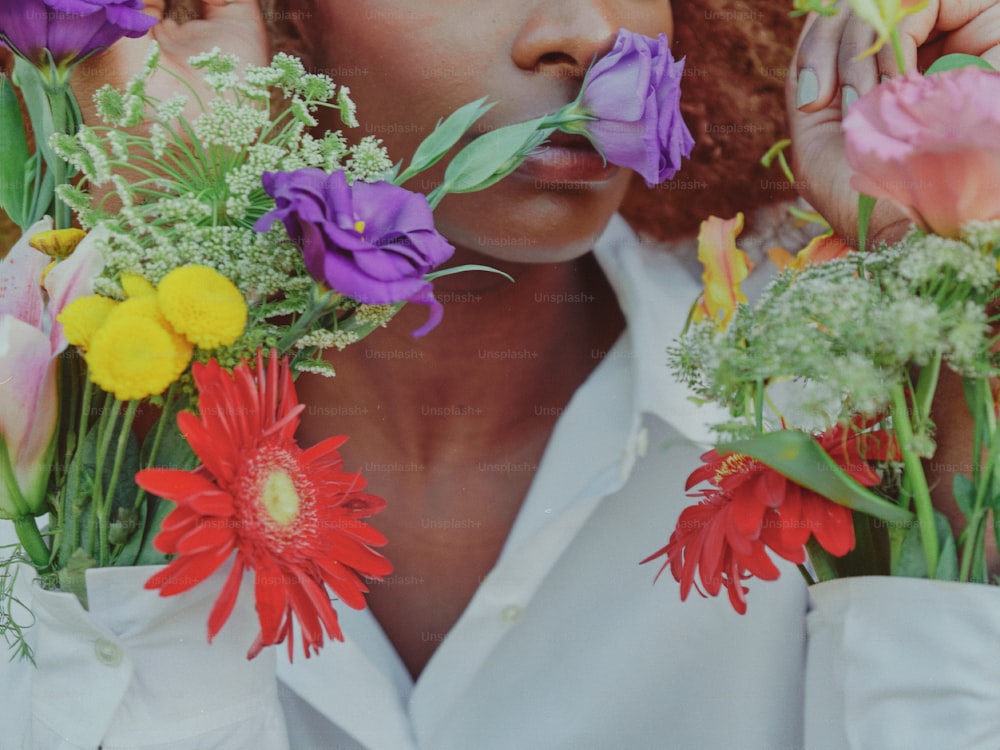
<point x="107" y="503"/>
<point x="981" y="406"/>
<point x="72" y="500"/>
<point x="105" y="431"/>
<point x="897" y="49"/>
<point x="31" y="539"/>
<point x="915" y="478"/>
<point x="318" y="307"/>
<point x="926" y="387"/>
<point x="61" y="109"/>
<point x="821" y="560"/>
<point x="436" y="195"/>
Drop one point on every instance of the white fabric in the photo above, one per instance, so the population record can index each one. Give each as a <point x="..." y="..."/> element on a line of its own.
<point x="151" y="679"/>
<point x="903" y="664"/>
<point x="568" y="645"/>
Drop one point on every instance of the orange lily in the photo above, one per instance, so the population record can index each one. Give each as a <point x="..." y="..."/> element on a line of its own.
<point x="820" y="249"/>
<point x="726" y="266"/>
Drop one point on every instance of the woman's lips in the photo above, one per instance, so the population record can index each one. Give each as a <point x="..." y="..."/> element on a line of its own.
<point x="566" y="162"/>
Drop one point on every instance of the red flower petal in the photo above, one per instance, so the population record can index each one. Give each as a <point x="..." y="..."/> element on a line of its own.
<point x="224" y="604"/>
<point x="294" y="516"/>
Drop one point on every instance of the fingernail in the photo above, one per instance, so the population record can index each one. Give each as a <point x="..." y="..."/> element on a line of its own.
<point x="884" y="78"/>
<point x="848" y="95"/>
<point x="807" y="90"/>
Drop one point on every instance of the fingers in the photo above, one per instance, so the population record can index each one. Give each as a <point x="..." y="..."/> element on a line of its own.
<point x="830" y="47"/>
<point x="857" y="75"/>
<point x="978" y="35"/>
<point x="815" y="82"/>
<point x="829" y="68"/>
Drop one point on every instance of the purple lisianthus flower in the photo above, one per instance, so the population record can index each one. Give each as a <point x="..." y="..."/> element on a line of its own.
<point x="373" y="241"/>
<point x="634" y="93"/>
<point x="69" y="29"/>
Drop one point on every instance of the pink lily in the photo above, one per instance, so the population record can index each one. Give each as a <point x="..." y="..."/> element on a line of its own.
<point x="31" y="341"/>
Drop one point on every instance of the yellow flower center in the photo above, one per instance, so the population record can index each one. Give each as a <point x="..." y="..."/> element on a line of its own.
<point x="735" y="463"/>
<point x="280" y="498"/>
<point x="359" y="226"/>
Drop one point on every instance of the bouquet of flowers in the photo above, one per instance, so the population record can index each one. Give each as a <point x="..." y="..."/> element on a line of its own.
<point x="830" y="378"/>
<point x="202" y="253"/>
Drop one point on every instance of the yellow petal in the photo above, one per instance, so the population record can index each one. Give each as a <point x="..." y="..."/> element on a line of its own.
<point x="780" y="257"/>
<point x="57" y="243"/>
<point x="820" y="249"/>
<point x="726" y="266"/>
<point x="136" y="286"/>
<point x="82" y="318"/>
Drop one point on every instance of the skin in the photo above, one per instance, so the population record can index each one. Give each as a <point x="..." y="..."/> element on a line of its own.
<point x="449" y="520"/>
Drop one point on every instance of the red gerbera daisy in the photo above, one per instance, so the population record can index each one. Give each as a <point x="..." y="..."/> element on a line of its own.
<point x="751" y="508"/>
<point x="291" y="515"/>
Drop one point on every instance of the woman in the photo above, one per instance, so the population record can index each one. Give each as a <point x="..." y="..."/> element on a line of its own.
<point x="531" y="451"/>
<point x="532" y="448"/>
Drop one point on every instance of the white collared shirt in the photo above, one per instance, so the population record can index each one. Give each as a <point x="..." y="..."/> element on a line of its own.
<point x="568" y="644"/>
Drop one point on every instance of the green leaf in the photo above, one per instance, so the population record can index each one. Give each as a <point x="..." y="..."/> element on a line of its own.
<point x="965" y="494"/>
<point x="443" y="137"/>
<point x="947" y="569"/>
<point x="866" y="204"/>
<point x="493" y="156"/>
<point x="992" y="499"/>
<point x="32" y="87"/>
<point x="156" y="509"/>
<point x="79" y="489"/>
<point x="129" y="529"/>
<point x="13" y="155"/>
<point x="73" y="577"/>
<point x="799" y="457"/>
<point x="912" y="562"/>
<point x="957" y="60"/>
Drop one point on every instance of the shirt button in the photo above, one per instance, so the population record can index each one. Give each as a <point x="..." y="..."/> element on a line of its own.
<point x="108" y="653"/>
<point x="510" y="613"/>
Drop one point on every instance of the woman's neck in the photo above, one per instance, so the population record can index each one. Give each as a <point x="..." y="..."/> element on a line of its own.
<point x="450" y="428"/>
<point x="504" y="355"/>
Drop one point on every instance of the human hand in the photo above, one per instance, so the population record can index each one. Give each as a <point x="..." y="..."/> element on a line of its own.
<point x="234" y="26"/>
<point x="826" y="77"/>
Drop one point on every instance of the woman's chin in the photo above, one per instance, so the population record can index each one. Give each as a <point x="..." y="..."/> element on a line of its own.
<point x="539" y="225"/>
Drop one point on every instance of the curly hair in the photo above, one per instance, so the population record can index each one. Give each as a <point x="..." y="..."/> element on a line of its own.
<point x="737" y="54"/>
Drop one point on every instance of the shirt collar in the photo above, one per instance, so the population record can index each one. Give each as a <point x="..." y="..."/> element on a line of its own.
<point x="655" y="292"/>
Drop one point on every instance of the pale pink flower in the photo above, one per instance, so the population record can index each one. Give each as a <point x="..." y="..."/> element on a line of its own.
<point x="31" y="341"/>
<point x="932" y="145"/>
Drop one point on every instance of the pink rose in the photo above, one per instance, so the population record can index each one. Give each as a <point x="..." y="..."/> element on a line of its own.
<point x="932" y="145"/>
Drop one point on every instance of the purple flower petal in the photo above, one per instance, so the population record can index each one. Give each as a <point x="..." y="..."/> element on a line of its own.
<point x="374" y="242"/>
<point x="69" y="29"/>
<point x="634" y="92"/>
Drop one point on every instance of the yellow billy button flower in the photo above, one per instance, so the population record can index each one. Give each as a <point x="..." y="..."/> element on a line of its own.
<point x="203" y="305"/>
<point x="136" y="286"/>
<point x="726" y="266"/>
<point x="82" y="318"/>
<point x="135" y="353"/>
<point x="57" y="243"/>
